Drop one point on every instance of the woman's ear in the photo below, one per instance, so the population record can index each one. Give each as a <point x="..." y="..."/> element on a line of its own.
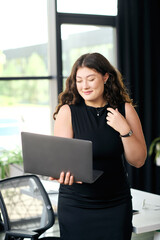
<point x="105" y="78"/>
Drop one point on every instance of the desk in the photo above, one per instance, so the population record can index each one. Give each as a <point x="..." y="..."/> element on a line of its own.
<point x="148" y="218"/>
<point x="52" y="188"/>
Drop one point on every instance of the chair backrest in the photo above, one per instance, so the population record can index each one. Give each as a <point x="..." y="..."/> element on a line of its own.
<point x="25" y="204"/>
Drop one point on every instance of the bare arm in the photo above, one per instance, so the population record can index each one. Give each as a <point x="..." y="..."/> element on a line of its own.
<point x="63" y="128"/>
<point x="135" y="149"/>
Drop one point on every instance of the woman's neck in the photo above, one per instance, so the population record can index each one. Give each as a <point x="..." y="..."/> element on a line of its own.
<point x="96" y="104"/>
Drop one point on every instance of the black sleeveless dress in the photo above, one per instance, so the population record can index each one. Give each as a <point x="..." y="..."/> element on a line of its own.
<point x="102" y="210"/>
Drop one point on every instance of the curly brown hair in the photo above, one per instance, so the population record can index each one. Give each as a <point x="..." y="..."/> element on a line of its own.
<point x="115" y="91"/>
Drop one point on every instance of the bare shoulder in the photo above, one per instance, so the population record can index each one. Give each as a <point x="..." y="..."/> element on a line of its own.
<point x="64" y="111"/>
<point x="129" y="107"/>
<point x="130" y="111"/>
<point x="63" y="124"/>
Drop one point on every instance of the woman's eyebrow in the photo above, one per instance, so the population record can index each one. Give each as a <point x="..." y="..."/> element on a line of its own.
<point x="90" y="75"/>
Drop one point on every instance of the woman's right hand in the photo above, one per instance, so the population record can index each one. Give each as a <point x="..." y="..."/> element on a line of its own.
<point x="66" y="179"/>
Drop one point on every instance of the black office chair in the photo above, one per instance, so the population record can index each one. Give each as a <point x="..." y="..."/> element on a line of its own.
<point x="1" y="223"/>
<point x="26" y="208"/>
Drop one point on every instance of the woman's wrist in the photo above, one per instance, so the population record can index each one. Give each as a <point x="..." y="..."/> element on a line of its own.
<point x="130" y="132"/>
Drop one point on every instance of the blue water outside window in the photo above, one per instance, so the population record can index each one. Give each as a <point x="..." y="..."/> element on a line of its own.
<point x="9" y="127"/>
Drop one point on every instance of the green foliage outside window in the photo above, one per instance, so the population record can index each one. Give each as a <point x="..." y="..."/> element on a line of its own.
<point x="8" y="157"/>
<point x="23" y="91"/>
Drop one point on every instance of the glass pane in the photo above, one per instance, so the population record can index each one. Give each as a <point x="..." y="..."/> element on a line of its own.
<point x="24" y="38"/>
<point x="101" y="7"/>
<point x="81" y="39"/>
<point x="24" y="106"/>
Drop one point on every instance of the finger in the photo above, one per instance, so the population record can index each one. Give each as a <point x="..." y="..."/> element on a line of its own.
<point x="108" y="123"/>
<point x="111" y="110"/>
<point x="79" y="182"/>
<point x="67" y="177"/>
<point x="51" y="178"/>
<point x="61" y="179"/>
<point x="109" y="114"/>
<point x="71" y="180"/>
<point x="108" y="118"/>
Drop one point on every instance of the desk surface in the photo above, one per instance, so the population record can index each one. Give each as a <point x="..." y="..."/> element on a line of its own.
<point x="146" y="220"/>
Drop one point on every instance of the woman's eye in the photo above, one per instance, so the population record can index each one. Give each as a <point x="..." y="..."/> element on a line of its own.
<point x="91" y="79"/>
<point x="78" y="81"/>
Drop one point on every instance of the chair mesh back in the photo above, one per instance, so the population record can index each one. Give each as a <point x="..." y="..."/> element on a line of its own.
<point x="25" y="206"/>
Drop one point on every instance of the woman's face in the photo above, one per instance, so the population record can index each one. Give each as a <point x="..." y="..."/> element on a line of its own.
<point x="90" y="85"/>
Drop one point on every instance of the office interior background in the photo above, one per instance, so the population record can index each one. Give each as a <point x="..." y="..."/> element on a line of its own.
<point x="41" y="39"/>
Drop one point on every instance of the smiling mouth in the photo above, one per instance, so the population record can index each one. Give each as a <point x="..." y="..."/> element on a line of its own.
<point x="87" y="92"/>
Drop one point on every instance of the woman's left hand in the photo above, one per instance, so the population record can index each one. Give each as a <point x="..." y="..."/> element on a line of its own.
<point x="116" y="120"/>
<point x="65" y="178"/>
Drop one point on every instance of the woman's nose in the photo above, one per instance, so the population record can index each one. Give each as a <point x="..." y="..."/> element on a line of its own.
<point x="85" y="84"/>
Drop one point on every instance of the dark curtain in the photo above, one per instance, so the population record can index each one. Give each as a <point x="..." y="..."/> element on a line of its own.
<point x="138" y="34"/>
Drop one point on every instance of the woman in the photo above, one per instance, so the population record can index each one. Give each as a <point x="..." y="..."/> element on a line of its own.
<point x="96" y="106"/>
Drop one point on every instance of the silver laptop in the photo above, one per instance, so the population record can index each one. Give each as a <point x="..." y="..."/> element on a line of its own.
<point x="49" y="155"/>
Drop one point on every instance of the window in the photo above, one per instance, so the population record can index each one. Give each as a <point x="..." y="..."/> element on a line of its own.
<point x="24" y="70"/>
<point x="102" y="7"/>
<point x="24" y="107"/>
<point x="24" y="38"/>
